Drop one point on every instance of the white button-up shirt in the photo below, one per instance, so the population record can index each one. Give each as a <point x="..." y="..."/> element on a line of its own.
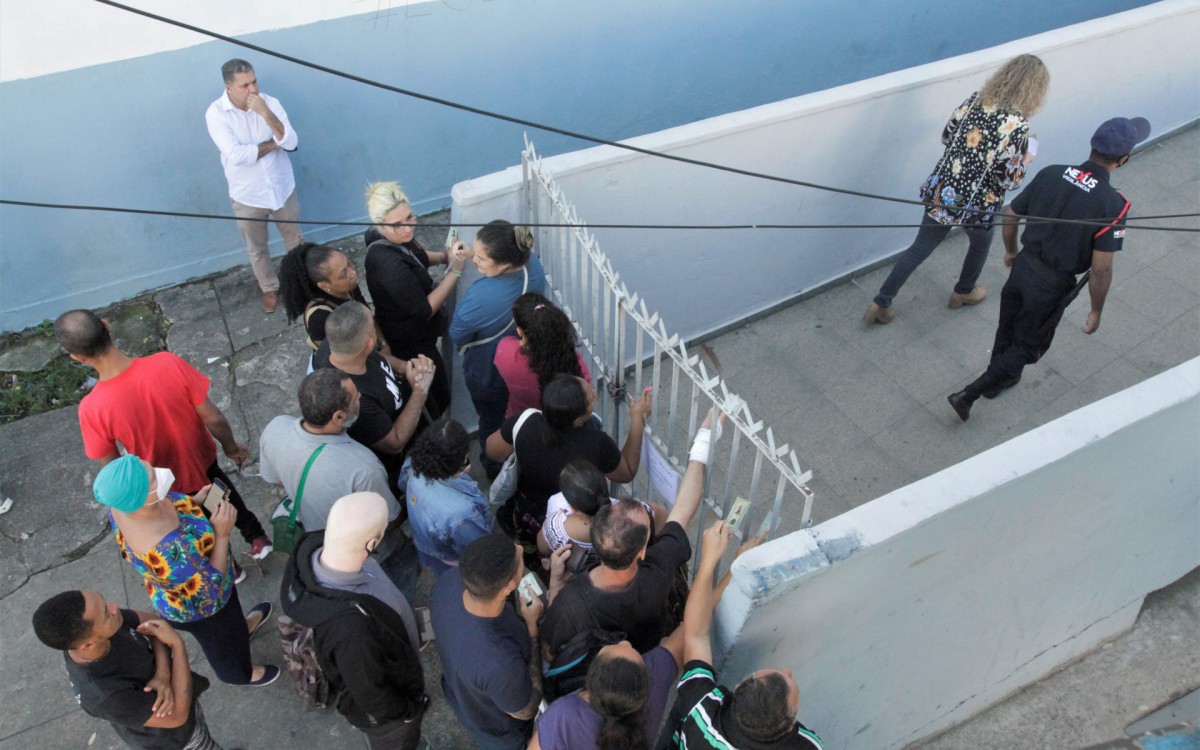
<point x="262" y="183"/>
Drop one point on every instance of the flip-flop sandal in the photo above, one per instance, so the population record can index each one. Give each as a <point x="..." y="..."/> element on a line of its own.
<point x="265" y="608"/>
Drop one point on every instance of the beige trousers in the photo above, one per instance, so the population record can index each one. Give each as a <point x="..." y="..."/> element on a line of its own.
<point x="255" y="234"/>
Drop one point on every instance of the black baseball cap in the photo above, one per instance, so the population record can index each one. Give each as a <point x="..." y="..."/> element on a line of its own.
<point x="1118" y="136"/>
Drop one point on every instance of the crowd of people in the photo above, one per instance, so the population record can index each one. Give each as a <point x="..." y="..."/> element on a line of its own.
<point x="377" y="477"/>
<point x="377" y="473"/>
<point x="591" y="665"/>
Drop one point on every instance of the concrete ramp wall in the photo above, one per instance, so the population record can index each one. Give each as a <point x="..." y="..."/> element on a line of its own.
<point x="919" y="609"/>
<point x="880" y="135"/>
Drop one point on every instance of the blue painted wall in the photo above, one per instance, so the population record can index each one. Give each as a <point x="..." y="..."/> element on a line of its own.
<point x="132" y="133"/>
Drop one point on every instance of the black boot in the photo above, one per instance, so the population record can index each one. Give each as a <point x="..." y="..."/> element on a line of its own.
<point x="962" y="401"/>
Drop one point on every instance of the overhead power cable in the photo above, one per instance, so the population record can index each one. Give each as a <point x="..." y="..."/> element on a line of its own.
<point x="316" y="222"/>
<point x="518" y="120"/>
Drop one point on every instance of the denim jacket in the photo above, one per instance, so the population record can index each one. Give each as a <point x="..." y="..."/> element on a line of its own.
<point x="445" y="515"/>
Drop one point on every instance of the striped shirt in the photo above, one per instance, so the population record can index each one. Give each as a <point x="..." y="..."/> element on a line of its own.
<point x="701" y="718"/>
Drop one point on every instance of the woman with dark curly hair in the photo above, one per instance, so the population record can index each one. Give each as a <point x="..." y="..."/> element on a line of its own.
<point x="622" y="702"/>
<point x="313" y="281"/>
<point x="446" y="510"/>
<point x="988" y="148"/>
<point x="544" y="346"/>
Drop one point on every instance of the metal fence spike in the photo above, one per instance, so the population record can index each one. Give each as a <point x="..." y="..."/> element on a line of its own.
<point x="667" y="348"/>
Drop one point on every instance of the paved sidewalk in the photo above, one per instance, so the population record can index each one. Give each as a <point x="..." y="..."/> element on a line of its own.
<point x="54" y="538"/>
<point x="864" y="407"/>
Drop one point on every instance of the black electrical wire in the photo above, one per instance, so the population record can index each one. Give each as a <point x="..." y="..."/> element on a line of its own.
<point x="541" y="126"/>
<point x="268" y="220"/>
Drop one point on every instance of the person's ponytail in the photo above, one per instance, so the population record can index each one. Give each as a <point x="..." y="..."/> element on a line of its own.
<point x="617" y="690"/>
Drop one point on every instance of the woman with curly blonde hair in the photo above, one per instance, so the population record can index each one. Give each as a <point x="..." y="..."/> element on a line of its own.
<point x="988" y="149"/>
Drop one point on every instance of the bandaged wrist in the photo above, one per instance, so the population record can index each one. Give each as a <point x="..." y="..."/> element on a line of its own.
<point x="701" y="445"/>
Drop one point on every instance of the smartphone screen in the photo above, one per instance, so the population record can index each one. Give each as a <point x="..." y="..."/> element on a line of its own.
<point x="216" y="494"/>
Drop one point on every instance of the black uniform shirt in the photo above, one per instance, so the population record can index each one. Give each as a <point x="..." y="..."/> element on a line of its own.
<point x="1069" y="192"/>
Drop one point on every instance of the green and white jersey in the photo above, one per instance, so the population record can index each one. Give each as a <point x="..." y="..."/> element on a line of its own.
<point x="701" y="718"/>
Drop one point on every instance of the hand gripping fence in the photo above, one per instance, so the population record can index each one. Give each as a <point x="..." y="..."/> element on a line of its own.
<point x="582" y="281"/>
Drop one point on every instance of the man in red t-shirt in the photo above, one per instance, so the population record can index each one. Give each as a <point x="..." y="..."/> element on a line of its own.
<point x="157" y="408"/>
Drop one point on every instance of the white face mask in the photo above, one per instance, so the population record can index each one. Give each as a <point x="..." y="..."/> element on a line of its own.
<point x="165" y="478"/>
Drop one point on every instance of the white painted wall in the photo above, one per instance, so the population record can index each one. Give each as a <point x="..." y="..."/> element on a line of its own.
<point x="879" y="135"/>
<point x="76" y="73"/>
<point x="49" y="36"/>
<point x="919" y="609"/>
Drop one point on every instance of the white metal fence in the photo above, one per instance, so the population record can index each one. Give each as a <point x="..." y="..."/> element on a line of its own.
<point x="629" y="347"/>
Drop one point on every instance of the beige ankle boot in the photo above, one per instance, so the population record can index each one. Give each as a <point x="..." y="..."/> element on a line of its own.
<point x="973" y="297"/>
<point x="877" y="314"/>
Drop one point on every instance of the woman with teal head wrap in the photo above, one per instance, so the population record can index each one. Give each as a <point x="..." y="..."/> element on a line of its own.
<point x="123" y="484"/>
<point x="185" y="560"/>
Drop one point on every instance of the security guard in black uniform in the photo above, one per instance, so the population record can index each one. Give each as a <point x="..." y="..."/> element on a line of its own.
<point x="1043" y="278"/>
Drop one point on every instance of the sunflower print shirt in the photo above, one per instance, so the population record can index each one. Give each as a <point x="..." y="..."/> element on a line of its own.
<point x="984" y="158"/>
<point x="182" y="583"/>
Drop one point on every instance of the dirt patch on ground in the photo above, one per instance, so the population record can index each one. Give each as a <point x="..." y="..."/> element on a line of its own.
<point x="37" y="375"/>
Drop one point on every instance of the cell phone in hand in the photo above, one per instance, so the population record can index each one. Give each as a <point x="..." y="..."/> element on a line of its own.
<point x="217" y="494"/>
<point x="451" y="237"/>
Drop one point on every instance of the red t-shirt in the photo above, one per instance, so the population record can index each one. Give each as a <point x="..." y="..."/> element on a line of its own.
<point x="523" y="389"/>
<point x="151" y="410"/>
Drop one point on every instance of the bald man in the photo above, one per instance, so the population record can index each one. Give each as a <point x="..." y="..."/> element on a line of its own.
<point x="364" y="630"/>
<point x="390" y="403"/>
<point x="156" y="407"/>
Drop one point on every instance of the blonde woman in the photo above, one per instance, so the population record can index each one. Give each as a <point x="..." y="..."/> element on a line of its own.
<point x="408" y="305"/>
<point x="988" y="148"/>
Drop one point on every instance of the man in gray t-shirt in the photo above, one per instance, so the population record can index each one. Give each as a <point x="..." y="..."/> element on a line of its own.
<point x="329" y="405"/>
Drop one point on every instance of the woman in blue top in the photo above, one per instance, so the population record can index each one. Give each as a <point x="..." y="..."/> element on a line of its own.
<point x="508" y="269"/>
<point x="446" y="510"/>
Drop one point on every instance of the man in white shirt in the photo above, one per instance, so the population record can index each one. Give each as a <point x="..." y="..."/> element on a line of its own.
<point x="253" y="134"/>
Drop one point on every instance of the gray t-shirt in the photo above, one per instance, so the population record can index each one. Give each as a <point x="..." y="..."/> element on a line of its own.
<point x="344" y="466"/>
<point x="372" y="581"/>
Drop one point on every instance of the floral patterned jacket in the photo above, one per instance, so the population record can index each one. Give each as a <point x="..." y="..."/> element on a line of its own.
<point x="984" y="158"/>
<point x="182" y="583"/>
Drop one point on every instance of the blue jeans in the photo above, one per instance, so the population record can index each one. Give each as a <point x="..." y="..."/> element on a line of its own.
<point x="516" y="740"/>
<point x="490" y="406"/>
<point x="398" y="557"/>
<point x="929" y="236"/>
